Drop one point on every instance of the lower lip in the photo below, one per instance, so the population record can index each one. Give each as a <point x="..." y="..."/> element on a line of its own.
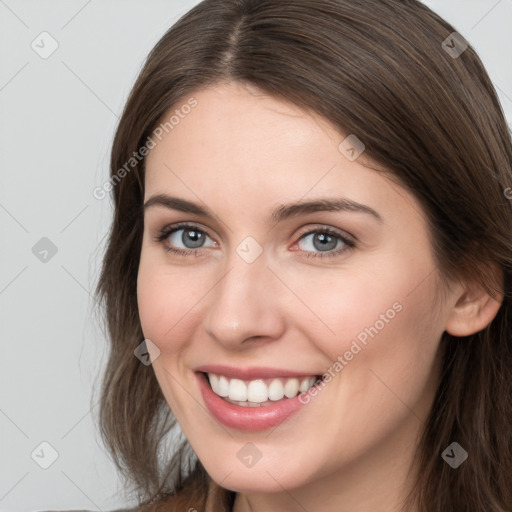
<point x="247" y="418"/>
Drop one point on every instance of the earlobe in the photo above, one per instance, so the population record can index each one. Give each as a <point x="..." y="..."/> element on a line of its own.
<point x="473" y="311"/>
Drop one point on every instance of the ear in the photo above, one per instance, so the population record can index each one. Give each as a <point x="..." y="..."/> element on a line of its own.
<point x="474" y="308"/>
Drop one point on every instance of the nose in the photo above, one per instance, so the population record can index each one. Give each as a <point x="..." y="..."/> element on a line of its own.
<point x="245" y="305"/>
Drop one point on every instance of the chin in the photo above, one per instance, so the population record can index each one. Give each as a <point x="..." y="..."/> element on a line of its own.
<point x="261" y="478"/>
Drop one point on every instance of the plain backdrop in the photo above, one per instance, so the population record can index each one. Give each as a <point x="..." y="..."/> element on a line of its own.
<point x="58" y="113"/>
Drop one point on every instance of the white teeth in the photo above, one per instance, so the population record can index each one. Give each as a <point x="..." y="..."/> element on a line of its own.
<point x="305" y="384"/>
<point x="237" y="390"/>
<point x="214" y="382"/>
<point x="275" y="390"/>
<point x="223" y="386"/>
<point x="256" y="392"/>
<point x="219" y="384"/>
<point x="291" y="388"/>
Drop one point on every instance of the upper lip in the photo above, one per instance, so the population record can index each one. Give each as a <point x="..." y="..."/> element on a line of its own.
<point x="251" y="373"/>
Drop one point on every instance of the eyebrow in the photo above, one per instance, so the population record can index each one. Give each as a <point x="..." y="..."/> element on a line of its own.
<point x="281" y="213"/>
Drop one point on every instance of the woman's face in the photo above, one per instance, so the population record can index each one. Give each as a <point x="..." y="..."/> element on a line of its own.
<point x="265" y="299"/>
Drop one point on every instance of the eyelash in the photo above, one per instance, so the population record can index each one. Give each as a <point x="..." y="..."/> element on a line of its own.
<point x="169" y="230"/>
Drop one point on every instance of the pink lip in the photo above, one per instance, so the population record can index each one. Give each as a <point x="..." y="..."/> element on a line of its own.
<point x="246" y="418"/>
<point x="250" y="373"/>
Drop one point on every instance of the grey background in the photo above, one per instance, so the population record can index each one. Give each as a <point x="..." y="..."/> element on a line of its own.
<point x="57" y="119"/>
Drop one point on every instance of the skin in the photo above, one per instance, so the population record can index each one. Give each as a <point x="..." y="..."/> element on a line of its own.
<point x="241" y="153"/>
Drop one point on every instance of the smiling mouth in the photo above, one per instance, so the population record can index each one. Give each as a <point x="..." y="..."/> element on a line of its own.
<point x="258" y="392"/>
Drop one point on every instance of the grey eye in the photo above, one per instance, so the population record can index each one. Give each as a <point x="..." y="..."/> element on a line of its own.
<point x="320" y="241"/>
<point x="190" y="238"/>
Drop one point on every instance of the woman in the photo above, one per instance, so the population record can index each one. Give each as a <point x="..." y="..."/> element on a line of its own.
<point x="309" y="266"/>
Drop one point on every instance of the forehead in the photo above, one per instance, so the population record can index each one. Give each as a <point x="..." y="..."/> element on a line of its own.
<point x="233" y="122"/>
<point x="239" y="145"/>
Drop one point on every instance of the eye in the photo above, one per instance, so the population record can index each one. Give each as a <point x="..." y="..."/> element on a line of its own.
<point x="326" y="241"/>
<point x="189" y="236"/>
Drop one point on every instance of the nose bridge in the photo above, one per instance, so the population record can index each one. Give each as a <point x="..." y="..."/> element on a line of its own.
<point x="244" y="303"/>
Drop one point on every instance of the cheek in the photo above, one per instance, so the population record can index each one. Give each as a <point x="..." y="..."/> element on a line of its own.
<point x="384" y="356"/>
<point x="172" y="300"/>
<point x="340" y="306"/>
<point x="164" y="304"/>
<point x="372" y="324"/>
<point x="167" y="315"/>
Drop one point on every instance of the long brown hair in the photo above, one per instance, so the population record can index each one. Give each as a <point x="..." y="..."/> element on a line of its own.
<point x="382" y="70"/>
